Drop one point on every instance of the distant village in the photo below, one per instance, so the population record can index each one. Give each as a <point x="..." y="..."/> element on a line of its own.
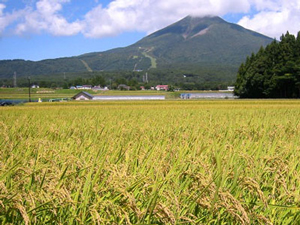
<point x="120" y="87"/>
<point x="123" y="87"/>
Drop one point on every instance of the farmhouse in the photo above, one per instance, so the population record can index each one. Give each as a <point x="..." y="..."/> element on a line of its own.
<point x="123" y="87"/>
<point x="86" y="96"/>
<point x="83" y="96"/>
<point x="162" y="87"/>
<point x="99" y="88"/>
<point x="86" y="86"/>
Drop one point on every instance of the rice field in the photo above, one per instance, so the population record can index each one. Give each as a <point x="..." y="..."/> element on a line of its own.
<point x="151" y="162"/>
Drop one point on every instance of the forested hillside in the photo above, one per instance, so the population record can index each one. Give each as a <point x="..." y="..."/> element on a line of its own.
<point x="273" y="72"/>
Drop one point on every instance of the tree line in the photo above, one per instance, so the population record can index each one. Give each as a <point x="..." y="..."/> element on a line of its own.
<point x="194" y="79"/>
<point x="273" y="72"/>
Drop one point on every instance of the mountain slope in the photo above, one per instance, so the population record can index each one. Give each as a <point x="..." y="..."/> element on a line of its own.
<point x="192" y="44"/>
<point x="208" y="40"/>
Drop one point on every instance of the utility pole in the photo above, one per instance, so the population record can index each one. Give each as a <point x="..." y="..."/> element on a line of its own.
<point x="15" y="79"/>
<point x="145" y="78"/>
<point x="29" y="88"/>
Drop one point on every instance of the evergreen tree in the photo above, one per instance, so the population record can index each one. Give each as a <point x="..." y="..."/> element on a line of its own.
<point x="273" y="72"/>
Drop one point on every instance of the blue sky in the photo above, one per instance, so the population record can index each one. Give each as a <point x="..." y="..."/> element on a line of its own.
<point x="43" y="29"/>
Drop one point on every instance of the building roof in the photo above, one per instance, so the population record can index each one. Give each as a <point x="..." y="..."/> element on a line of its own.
<point x="85" y="94"/>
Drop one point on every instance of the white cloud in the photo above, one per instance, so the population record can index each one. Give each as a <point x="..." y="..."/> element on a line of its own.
<point x="271" y="17"/>
<point x="2" y="19"/>
<point x="150" y="15"/>
<point x="276" y="19"/>
<point x="46" y="17"/>
<point x="6" y="18"/>
<point x="2" y="7"/>
<point x="261" y="5"/>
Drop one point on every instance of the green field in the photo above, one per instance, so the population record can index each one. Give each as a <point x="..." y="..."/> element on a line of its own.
<point x="151" y="162"/>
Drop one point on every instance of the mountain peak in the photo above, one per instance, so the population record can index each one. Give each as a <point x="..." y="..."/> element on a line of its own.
<point x="197" y="26"/>
<point x="190" y="26"/>
<point x="202" y="19"/>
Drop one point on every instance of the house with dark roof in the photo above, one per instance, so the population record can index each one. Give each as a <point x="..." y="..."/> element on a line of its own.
<point x="83" y="96"/>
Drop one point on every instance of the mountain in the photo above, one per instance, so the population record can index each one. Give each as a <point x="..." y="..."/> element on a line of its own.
<point x="189" y="42"/>
<point x="206" y="47"/>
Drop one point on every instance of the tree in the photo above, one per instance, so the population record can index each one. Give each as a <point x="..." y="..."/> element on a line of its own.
<point x="273" y="72"/>
<point x="98" y="80"/>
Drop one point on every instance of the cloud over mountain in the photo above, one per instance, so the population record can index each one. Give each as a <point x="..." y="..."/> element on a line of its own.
<point x="274" y="17"/>
<point x="270" y="17"/>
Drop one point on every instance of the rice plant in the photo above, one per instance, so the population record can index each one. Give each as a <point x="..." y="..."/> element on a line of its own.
<point x="169" y="162"/>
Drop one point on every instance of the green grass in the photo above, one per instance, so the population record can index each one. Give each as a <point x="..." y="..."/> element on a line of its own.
<point x="150" y="162"/>
<point x="153" y="60"/>
<point x="23" y="93"/>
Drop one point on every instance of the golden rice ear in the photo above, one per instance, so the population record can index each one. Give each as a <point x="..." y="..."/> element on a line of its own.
<point x="234" y="207"/>
<point x="23" y="212"/>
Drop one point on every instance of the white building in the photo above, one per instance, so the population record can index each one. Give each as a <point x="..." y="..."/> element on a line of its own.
<point x="82" y="96"/>
<point x="230" y="88"/>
